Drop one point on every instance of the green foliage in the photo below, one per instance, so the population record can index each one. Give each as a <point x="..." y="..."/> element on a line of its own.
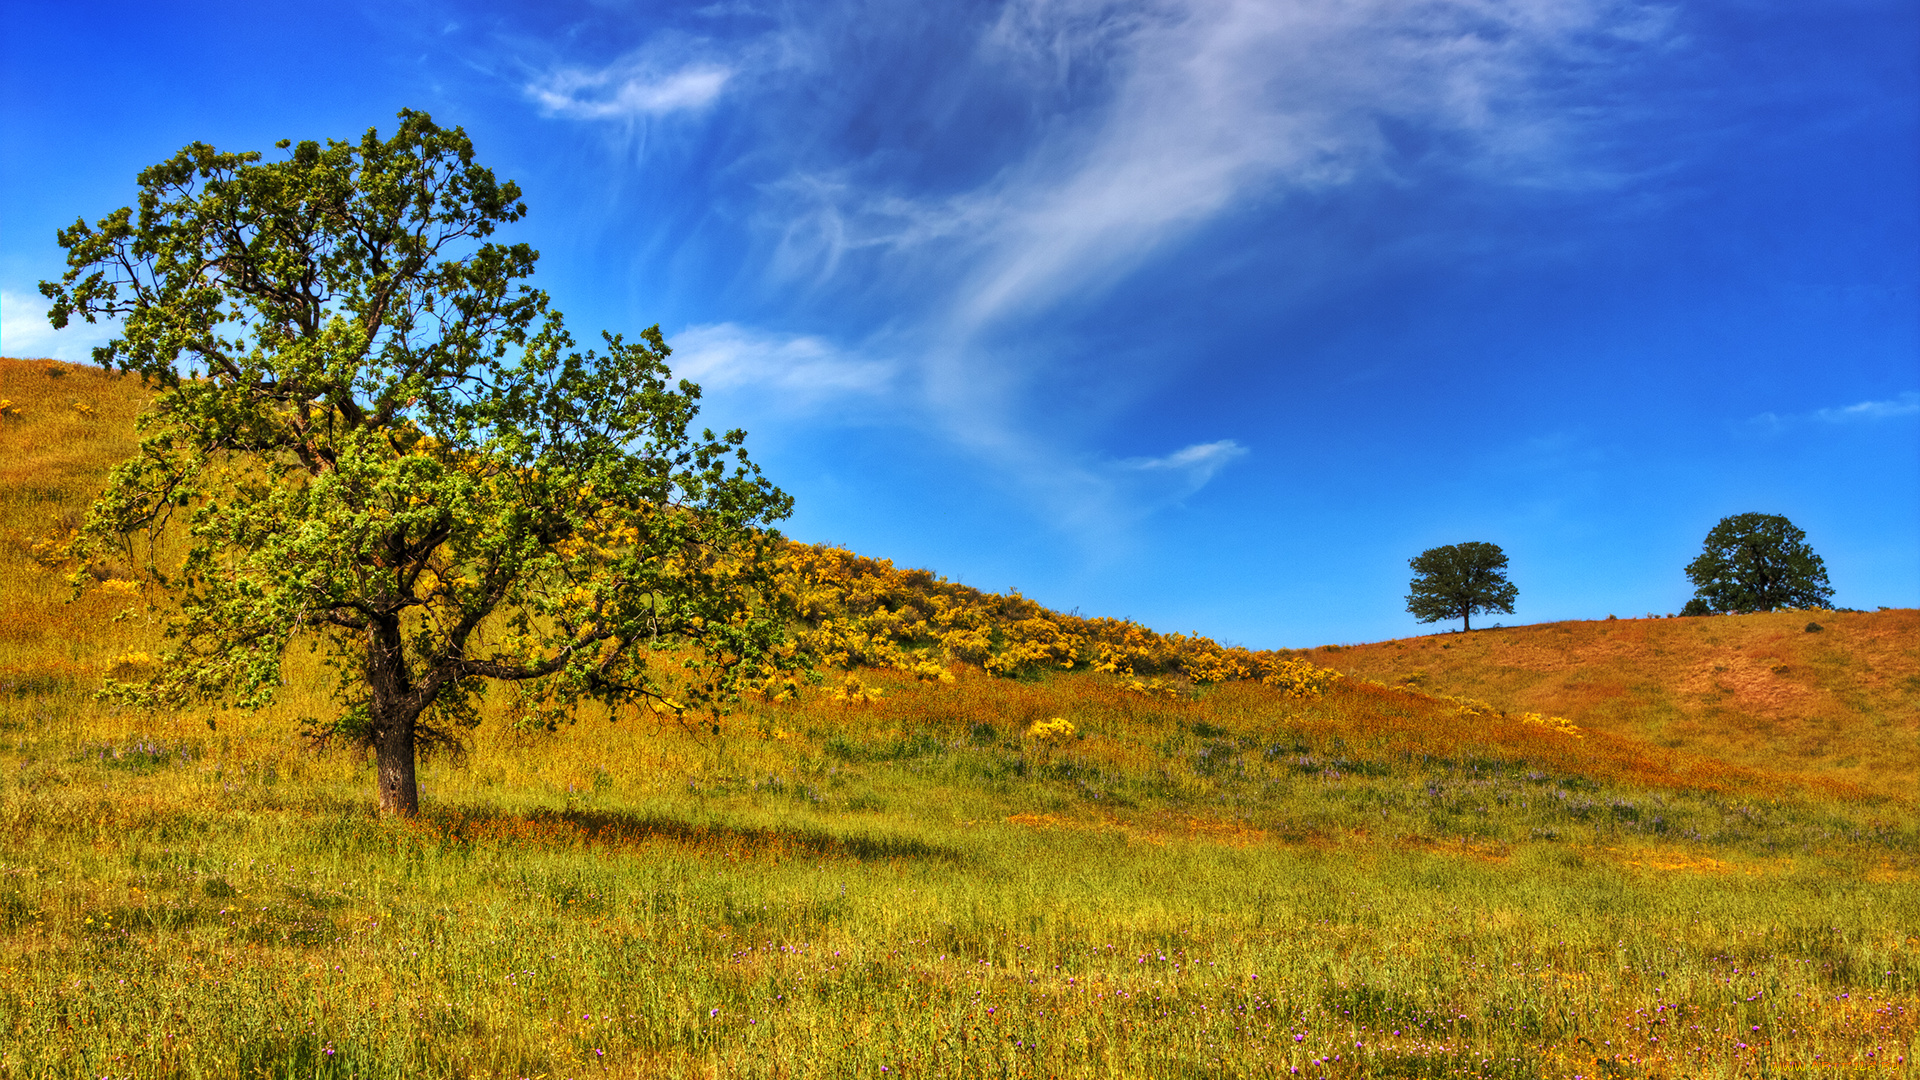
<point x="1695" y="607"/>
<point x="1458" y="581"/>
<point x="1758" y="562"/>
<point x="386" y="448"/>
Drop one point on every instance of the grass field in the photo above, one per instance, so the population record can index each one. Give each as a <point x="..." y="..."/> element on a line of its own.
<point x="1702" y="874"/>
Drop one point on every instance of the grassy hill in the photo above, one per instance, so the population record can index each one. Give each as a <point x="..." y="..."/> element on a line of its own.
<point x="1582" y="850"/>
<point x="1840" y="702"/>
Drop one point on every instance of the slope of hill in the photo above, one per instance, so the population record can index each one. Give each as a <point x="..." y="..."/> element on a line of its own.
<point x="65" y="424"/>
<point x="1009" y="842"/>
<point x="1765" y="691"/>
<point x="62" y="426"/>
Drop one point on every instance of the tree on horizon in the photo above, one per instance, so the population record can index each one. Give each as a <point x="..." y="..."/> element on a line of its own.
<point x="1757" y="562"/>
<point x="1458" y="581"/>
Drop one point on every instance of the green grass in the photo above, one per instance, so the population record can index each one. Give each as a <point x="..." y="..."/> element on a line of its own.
<point x="1220" y="884"/>
<point x="185" y="901"/>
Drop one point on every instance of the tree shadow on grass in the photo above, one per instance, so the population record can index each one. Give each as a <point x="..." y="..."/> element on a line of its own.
<point x="622" y="829"/>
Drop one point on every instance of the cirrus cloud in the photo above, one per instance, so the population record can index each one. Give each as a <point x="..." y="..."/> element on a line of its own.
<point x="631" y="88"/>
<point x="798" y="369"/>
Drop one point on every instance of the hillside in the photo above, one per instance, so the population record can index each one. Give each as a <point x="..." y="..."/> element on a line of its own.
<point x="1758" y="692"/>
<point x="62" y="426"/>
<point x="1762" y="691"/>
<point x="1003" y="841"/>
<point x="65" y="425"/>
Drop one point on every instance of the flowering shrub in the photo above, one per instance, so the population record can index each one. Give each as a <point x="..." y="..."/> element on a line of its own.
<point x="1052" y="731"/>
<point x="1035" y="643"/>
<point x="1552" y="723"/>
<point x="1471" y="709"/>
<point x="852" y="691"/>
<point x="859" y="612"/>
<point x="1299" y="678"/>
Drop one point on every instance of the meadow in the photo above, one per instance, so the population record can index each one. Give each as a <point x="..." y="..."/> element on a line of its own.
<point x="1583" y="850"/>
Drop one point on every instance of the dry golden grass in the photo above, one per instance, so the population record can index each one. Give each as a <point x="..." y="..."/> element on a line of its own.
<point x="1758" y="691"/>
<point x="63" y="427"/>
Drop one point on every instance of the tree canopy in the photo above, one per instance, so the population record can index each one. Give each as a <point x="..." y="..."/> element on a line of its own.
<point x="1757" y="562"/>
<point x="1458" y="581"/>
<point x="375" y="438"/>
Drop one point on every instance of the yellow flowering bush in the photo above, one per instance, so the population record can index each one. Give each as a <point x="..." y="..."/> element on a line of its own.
<point x="1054" y="731"/>
<point x="1034" y="643"/>
<point x="1470" y="709"/>
<point x="856" y="612"/>
<point x="1551" y="723"/>
<point x="854" y="692"/>
<point x="1299" y="678"/>
<point x="1047" y="736"/>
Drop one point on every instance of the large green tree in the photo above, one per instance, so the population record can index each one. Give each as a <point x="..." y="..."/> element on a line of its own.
<point x="1757" y="562"/>
<point x="372" y="436"/>
<point x="1458" y="581"/>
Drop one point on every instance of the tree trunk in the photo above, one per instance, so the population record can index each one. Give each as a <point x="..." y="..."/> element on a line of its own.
<point x="393" y="713"/>
<point x="1466" y="620"/>
<point x="393" y="756"/>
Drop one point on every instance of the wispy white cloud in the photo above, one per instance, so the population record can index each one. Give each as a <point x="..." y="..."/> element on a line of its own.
<point x="1218" y="104"/>
<point x="1148" y="120"/>
<point x="631" y="88"/>
<point x="1204" y="108"/>
<point x="1194" y="465"/>
<point x="1907" y="404"/>
<point x="770" y="373"/>
<point x="25" y="331"/>
<point x="1101" y="499"/>
<point x="796" y="369"/>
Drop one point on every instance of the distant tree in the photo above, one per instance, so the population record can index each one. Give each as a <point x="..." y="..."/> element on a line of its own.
<point x="1758" y="562"/>
<point x="383" y="446"/>
<point x="1696" y="606"/>
<point x="1458" y="581"/>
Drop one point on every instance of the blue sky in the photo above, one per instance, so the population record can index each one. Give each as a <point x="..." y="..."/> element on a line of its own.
<point x="1207" y="314"/>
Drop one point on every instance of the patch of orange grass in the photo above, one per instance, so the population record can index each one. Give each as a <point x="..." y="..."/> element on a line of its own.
<point x="1669" y="861"/>
<point x="1889" y="874"/>
<point x="1457" y="847"/>
<point x="1678" y="862"/>
<point x="1232" y="833"/>
<point x="1757" y="684"/>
